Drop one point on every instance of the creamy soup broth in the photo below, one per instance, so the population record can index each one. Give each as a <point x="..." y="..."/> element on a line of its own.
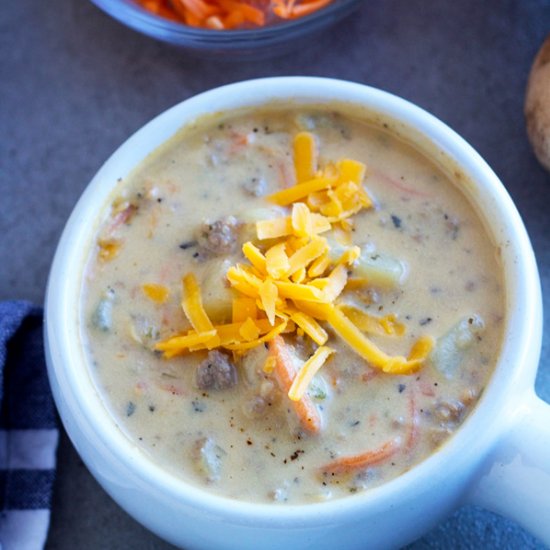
<point x="242" y="439"/>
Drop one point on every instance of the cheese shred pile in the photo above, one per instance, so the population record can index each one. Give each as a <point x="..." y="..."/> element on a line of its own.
<point x="291" y="283"/>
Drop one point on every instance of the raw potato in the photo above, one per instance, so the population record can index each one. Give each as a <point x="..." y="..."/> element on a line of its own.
<point x="537" y="105"/>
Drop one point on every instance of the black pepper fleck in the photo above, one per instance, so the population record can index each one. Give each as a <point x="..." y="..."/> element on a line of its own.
<point x="188" y="244"/>
<point x="198" y="406"/>
<point x="396" y="221"/>
<point x="296" y="454"/>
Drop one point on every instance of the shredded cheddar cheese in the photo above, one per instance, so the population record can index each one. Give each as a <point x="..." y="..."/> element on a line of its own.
<point x="156" y="293"/>
<point x="305" y="156"/>
<point x="249" y="330"/>
<point x="305" y="255"/>
<point x="108" y="249"/>
<point x="300" y="291"/>
<point x="307" y="372"/>
<point x="269" y="365"/>
<point x="380" y="326"/>
<point x="302" y="222"/>
<point x="310" y="327"/>
<point x="319" y="266"/>
<point x="192" y="305"/>
<point x="275" y="331"/>
<point x="273" y="229"/>
<point x="351" y="171"/>
<point x="254" y="256"/>
<point x="276" y="261"/>
<point x="243" y="308"/>
<point x="301" y="190"/>
<point x="292" y="278"/>
<point x="299" y="275"/>
<point x="268" y="295"/>
<point x="350" y="255"/>
<point x="180" y="344"/>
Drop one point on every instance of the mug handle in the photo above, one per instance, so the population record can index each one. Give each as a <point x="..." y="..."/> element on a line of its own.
<point x="515" y="479"/>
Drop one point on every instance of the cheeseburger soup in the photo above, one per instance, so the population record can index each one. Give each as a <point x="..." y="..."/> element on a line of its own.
<point x="290" y="305"/>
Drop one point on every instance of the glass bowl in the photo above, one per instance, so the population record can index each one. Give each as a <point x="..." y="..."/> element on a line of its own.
<point x="264" y="42"/>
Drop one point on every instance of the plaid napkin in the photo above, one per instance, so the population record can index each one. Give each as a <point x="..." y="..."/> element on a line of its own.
<point x="28" y="429"/>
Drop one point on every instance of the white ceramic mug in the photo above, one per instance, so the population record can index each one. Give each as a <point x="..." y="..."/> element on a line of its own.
<point x="499" y="458"/>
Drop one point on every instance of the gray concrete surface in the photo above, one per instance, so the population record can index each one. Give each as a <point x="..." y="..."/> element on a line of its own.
<point x="74" y="84"/>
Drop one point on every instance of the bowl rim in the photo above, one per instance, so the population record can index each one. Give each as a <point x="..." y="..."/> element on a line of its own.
<point x="512" y="379"/>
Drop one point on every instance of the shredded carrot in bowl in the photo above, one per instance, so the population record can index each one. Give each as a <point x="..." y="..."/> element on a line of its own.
<point x="231" y="14"/>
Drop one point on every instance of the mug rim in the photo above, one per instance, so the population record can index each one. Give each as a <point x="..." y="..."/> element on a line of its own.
<point x="514" y="373"/>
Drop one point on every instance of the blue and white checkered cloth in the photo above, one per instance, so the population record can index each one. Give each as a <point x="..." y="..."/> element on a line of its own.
<point x="28" y="429"/>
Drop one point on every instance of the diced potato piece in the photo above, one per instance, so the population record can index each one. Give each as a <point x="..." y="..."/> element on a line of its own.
<point x="379" y="269"/>
<point x="450" y="349"/>
<point x="338" y="243"/>
<point x="323" y="120"/>
<point x="254" y="215"/>
<point x="208" y="458"/>
<point x="217" y="296"/>
<point x="143" y="331"/>
<point x="252" y="364"/>
<point x="102" y="317"/>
